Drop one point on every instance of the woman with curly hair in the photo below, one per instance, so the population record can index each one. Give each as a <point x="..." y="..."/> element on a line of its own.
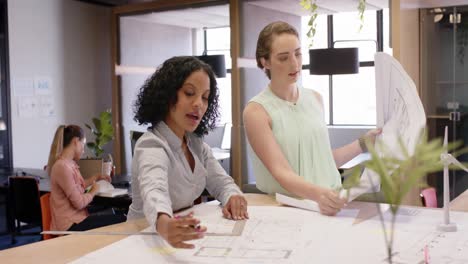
<point x="171" y="164"/>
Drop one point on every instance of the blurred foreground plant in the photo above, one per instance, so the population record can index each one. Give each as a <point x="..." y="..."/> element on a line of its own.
<point x="400" y="170"/>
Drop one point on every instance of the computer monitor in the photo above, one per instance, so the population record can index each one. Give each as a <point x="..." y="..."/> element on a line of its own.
<point x="226" y="141"/>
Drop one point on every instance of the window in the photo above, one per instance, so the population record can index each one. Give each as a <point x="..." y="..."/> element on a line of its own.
<point x="219" y="42"/>
<point x="348" y="99"/>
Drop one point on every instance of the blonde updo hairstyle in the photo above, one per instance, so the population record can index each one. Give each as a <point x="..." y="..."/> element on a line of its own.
<point x="265" y="39"/>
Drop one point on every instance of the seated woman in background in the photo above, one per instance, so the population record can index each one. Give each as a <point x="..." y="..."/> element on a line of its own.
<point x="68" y="199"/>
<point x="171" y="164"/>
<point x="286" y="129"/>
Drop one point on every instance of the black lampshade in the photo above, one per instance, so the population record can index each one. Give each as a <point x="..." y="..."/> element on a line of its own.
<point x="216" y="62"/>
<point x="334" y="61"/>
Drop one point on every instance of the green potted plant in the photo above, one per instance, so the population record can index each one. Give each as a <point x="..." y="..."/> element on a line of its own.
<point x="399" y="173"/>
<point x="311" y="5"/>
<point x="103" y="132"/>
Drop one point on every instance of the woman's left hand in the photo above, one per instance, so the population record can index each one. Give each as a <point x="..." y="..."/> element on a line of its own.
<point x="103" y="177"/>
<point x="372" y="134"/>
<point x="236" y="208"/>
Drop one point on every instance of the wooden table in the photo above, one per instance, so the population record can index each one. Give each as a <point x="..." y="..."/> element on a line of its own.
<point x="68" y="248"/>
<point x="460" y="203"/>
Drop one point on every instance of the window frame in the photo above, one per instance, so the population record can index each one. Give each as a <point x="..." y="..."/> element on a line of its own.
<point x="330" y="44"/>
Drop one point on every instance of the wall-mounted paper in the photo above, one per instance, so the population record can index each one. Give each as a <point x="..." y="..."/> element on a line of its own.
<point x="35" y="106"/>
<point x="27" y="106"/>
<point x="22" y="86"/>
<point x="42" y="85"/>
<point x="46" y="106"/>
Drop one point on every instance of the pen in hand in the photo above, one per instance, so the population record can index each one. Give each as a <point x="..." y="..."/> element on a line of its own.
<point x="196" y="227"/>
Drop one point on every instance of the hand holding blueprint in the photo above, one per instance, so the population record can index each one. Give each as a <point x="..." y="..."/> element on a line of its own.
<point x="400" y="114"/>
<point x="312" y="205"/>
<point x="304" y="203"/>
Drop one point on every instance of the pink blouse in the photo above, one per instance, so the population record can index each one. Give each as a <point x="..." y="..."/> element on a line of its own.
<point x="67" y="198"/>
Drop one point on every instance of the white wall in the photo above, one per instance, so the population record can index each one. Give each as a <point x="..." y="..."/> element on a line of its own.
<point x="69" y="42"/>
<point x="145" y="44"/>
<point x="253" y="80"/>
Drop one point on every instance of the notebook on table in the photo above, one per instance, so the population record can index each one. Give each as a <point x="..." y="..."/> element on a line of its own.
<point x="106" y="189"/>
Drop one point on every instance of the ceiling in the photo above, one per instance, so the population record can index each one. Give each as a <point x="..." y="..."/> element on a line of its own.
<point x="113" y="2"/>
<point x="413" y="4"/>
<point x="324" y="6"/>
<point x="211" y="16"/>
<point x="218" y="16"/>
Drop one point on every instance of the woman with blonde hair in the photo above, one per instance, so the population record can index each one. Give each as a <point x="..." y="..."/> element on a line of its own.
<point x="286" y="129"/>
<point x="68" y="198"/>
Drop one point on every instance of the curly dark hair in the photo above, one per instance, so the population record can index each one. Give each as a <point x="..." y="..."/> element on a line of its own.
<point x="159" y="93"/>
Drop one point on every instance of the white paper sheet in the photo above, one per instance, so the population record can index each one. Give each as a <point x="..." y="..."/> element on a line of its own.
<point x="271" y="235"/>
<point x="106" y="189"/>
<point x="312" y="205"/>
<point x="22" y="86"/>
<point x="290" y="235"/>
<point x="400" y="114"/>
<point x="42" y="85"/>
<point x="299" y="203"/>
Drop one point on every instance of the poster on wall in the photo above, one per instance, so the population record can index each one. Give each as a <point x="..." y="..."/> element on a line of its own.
<point x="22" y="86"/>
<point x="42" y="85"/>
<point x="35" y="106"/>
<point x="27" y="106"/>
<point x="46" y="106"/>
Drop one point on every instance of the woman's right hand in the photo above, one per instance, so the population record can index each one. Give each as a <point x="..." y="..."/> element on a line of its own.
<point x="178" y="230"/>
<point x="94" y="189"/>
<point x="103" y="177"/>
<point x="329" y="202"/>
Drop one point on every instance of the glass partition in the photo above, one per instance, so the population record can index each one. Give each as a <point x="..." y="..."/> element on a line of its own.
<point x="445" y="82"/>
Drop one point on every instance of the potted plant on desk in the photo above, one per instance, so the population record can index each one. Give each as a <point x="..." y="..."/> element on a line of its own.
<point x="103" y="133"/>
<point x="400" y="172"/>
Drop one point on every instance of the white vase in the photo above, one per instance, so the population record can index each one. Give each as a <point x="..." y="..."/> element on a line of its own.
<point x="107" y="168"/>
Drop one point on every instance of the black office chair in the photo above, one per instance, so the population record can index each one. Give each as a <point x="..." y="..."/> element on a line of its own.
<point x="134" y="136"/>
<point x="24" y="205"/>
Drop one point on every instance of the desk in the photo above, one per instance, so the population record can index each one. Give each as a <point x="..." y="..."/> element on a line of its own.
<point x="221" y="154"/>
<point x="460" y="203"/>
<point x="120" y="202"/>
<point x="68" y="248"/>
<point x="44" y="187"/>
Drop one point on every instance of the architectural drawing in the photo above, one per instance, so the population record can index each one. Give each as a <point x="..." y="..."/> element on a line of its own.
<point x="400" y="114"/>
<point x="276" y="235"/>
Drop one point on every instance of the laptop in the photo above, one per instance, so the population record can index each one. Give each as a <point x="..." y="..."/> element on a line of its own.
<point x="226" y="141"/>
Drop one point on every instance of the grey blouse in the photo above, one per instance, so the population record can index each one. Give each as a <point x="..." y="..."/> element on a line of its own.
<point x="162" y="180"/>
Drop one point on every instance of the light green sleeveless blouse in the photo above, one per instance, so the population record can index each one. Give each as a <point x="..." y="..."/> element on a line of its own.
<point x="302" y="134"/>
